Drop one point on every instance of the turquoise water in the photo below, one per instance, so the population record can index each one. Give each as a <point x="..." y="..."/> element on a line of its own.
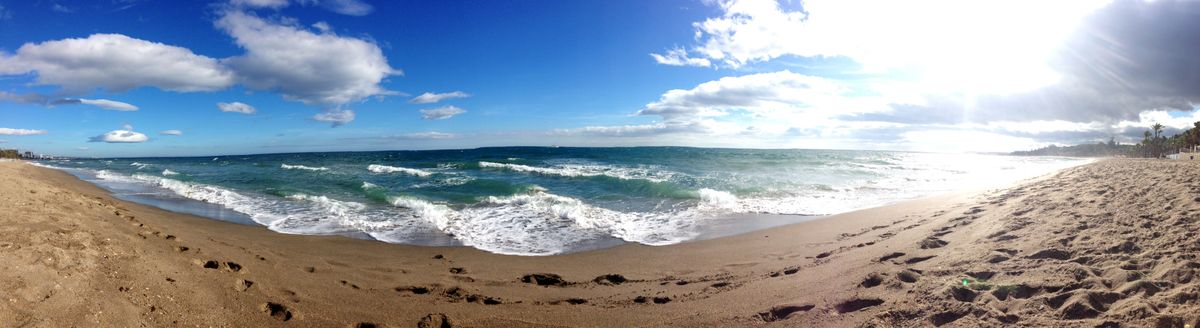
<point x="539" y="201"/>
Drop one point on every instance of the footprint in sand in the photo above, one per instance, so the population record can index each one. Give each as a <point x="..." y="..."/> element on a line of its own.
<point x="277" y="311"/>
<point x="891" y="256"/>
<point x="856" y="304"/>
<point x="242" y="285"/>
<point x="782" y="312"/>
<point x="909" y="276"/>
<point x="435" y="320"/>
<point x="610" y="279"/>
<point x="209" y="264"/>
<point x="932" y="242"/>
<point x="918" y="259"/>
<point x="544" y="279"/>
<point x="872" y="280"/>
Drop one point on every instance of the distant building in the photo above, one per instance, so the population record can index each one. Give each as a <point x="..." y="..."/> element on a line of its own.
<point x="1187" y="154"/>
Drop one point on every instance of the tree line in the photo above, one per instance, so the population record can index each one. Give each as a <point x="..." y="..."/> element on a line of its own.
<point x="1154" y="144"/>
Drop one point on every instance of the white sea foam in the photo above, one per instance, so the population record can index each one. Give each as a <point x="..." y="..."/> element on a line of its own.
<point x="302" y="167"/>
<point x="139" y="165"/>
<point x="168" y="172"/>
<point x="719" y="199"/>
<point x="543" y="223"/>
<point x="297" y="214"/>
<point x="394" y="169"/>
<point x="585" y="170"/>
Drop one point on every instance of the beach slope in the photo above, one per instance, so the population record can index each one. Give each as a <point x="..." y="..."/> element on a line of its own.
<point x="1109" y="243"/>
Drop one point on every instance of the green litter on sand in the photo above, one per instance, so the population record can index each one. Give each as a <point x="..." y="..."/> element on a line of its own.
<point x="966" y="282"/>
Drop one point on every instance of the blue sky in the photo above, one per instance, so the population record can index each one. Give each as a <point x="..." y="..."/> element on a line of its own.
<point x="109" y="78"/>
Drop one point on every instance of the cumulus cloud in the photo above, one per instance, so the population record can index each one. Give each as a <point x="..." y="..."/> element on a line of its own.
<point x="336" y="117"/>
<point x="679" y="57"/>
<point x="441" y="113"/>
<point x="763" y="94"/>
<point x="298" y="63"/>
<point x="115" y="63"/>
<point x="171" y="133"/>
<point x="102" y="103"/>
<point x="20" y="132"/>
<point x="124" y="135"/>
<point x="236" y="107"/>
<point x="429" y="97"/>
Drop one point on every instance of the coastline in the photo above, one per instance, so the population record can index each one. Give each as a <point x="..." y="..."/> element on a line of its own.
<point x="810" y="273"/>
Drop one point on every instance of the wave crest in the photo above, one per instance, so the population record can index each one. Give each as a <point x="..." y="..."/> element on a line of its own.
<point x="376" y="168"/>
<point x="302" y="167"/>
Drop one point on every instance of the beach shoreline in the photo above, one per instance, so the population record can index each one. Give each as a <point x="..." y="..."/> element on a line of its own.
<point x="163" y="268"/>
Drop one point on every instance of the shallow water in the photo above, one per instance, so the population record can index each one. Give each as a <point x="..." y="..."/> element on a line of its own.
<point x="539" y="201"/>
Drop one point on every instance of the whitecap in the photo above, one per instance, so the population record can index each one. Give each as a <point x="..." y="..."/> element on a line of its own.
<point x="395" y="169"/>
<point x="581" y="170"/>
<point x="302" y="167"/>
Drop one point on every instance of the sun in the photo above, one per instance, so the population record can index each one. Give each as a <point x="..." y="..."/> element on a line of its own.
<point x="970" y="47"/>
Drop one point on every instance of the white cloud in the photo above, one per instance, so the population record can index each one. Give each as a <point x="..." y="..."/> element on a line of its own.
<point x="791" y="95"/>
<point x="1178" y="120"/>
<point x="102" y="103"/>
<point x="344" y="7"/>
<point x="956" y="45"/>
<point x="171" y="133"/>
<point x="322" y="26"/>
<point x="236" y="107"/>
<point x="272" y="4"/>
<point x="62" y="9"/>
<point x="335" y="116"/>
<point x="124" y="135"/>
<point x="641" y="130"/>
<point x="441" y="113"/>
<point x="115" y="63"/>
<point x="429" y="97"/>
<point x="679" y="57"/>
<point x="323" y="68"/>
<point x="967" y="141"/>
<point x="20" y="132"/>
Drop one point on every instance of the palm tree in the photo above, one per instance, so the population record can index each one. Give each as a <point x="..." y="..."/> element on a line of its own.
<point x="1159" y="140"/>
<point x="1146" y="143"/>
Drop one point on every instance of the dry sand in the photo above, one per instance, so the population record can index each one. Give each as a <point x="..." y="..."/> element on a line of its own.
<point x="1112" y="243"/>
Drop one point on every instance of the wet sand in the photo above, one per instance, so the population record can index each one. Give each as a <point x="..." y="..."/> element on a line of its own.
<point x="1113" y="242"/>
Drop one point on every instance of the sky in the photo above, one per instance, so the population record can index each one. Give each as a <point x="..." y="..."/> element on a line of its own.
<point x="131" y="78"/>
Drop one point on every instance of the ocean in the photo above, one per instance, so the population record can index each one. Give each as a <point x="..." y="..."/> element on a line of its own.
<point x="540" y="200"/>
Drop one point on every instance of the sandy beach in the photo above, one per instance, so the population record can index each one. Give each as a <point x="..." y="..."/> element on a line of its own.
<point x="1109" y="244"/>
